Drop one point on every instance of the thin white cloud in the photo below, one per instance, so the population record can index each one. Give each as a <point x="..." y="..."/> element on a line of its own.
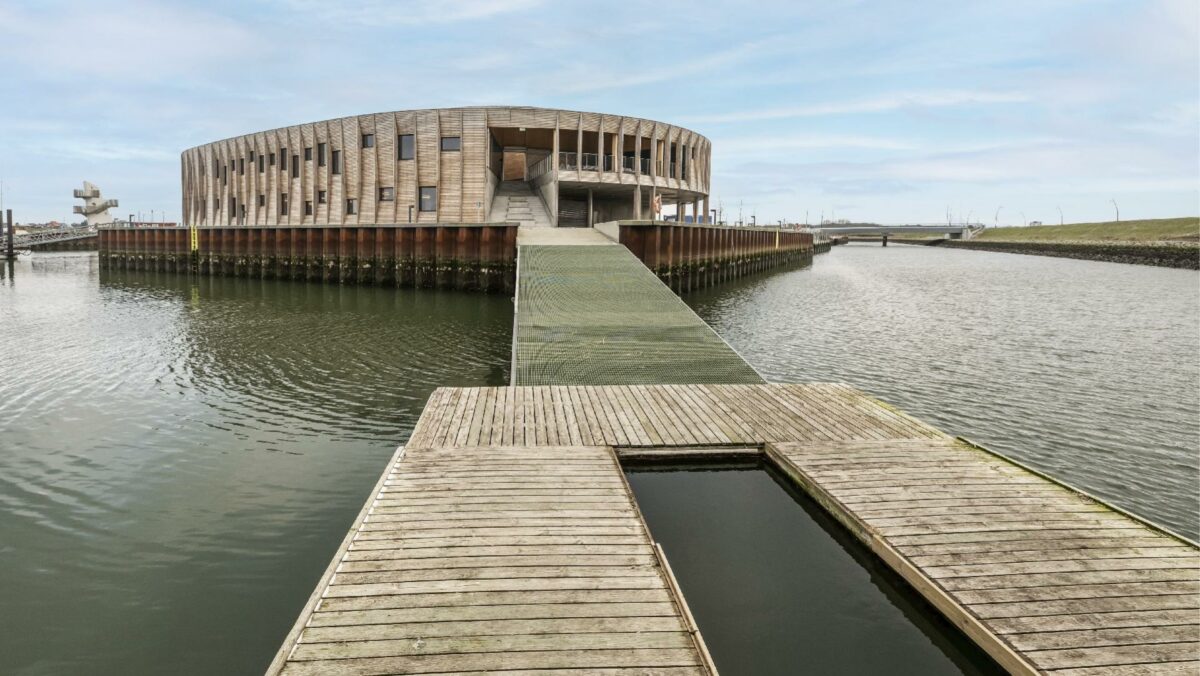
<point x="774" y="145"/>
<point x="406" y="12"/>
<point x="878" y="104"/>
<point x="584" y="78"/>
<point x="145" y="41"/>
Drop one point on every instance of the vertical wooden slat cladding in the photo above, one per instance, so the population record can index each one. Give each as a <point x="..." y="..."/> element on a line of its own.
<point x="221" y="183"/>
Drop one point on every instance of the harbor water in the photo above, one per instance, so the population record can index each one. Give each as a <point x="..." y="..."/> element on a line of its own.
<point x="179" y="457"/>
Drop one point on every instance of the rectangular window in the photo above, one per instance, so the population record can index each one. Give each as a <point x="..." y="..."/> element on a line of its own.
<point x="252" y="156"/>
<point x="337" y="162"/>
<point x="242" y="211"/>
<point x="216" y="206"/>
<point x="428" y="198"/>
<point x="407" y="146"/>
<point x="271" y="159"/>
<point x="320" y="197"/>
<point x="368" y="140"/>
<point x="242" y="166"/>
<point x="283" y="159"/>
<point x="308" y="208"/>
<point x="262" y="200"/>
<point x="308" y="154"/>
<point x="387" y="194"/>
<point x="320" y="154"/>
<point x="224" y="175"/>
<point x="351" y="207"/>
<point x="261" y="164"/>
<point x="295" y="166"/>
<point x="450" y="143"/>
<point x="283" y="204"/>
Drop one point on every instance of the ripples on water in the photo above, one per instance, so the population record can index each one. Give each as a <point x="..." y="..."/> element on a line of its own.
<point x="1089" y="371"/>
<point x="180" y="456"/>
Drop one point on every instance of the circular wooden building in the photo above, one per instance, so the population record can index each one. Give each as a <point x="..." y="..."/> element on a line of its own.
<point x="536" y="166"/>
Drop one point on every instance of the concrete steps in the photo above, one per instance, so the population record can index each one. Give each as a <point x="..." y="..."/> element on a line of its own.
<point x="515" y="202"/>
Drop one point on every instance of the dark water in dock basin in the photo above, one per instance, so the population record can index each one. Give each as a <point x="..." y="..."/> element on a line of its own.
<point x="778" y="587"/>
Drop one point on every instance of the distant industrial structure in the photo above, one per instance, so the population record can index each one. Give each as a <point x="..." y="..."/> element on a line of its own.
<point x="95" y="207"/>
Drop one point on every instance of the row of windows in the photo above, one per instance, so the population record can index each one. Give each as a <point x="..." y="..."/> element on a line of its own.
<point x="427" y="201"/>
<point x="405" y="150"/>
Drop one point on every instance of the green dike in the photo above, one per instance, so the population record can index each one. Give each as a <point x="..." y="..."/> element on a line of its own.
<point x="1147" y="231"/>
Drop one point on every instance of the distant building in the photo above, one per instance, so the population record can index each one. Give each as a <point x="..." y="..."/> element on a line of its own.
<point x="535" y="166"/>
<point x="95" y="208"/>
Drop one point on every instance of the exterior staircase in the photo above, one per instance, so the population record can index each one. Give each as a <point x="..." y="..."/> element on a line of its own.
<point x="515" y="202"/>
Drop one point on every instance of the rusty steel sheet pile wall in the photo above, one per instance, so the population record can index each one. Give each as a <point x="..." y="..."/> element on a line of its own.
<point x="687" y="256"/>
<point x="448" y="256"/>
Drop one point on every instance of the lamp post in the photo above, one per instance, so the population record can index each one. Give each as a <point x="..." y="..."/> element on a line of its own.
<point x="1060" y="216"/>
<point x="997" y="218"/>
<point x="1114" y="203"/>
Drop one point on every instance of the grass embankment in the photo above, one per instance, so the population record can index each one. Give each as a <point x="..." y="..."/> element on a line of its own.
<point x="1145" y="231"/>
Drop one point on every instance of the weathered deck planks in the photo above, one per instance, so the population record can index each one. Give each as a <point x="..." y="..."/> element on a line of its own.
<point x="493" y="557"/>
<point x="504" y="537"/>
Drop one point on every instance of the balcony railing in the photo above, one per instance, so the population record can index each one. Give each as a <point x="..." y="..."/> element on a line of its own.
<point x="572" y="161"/>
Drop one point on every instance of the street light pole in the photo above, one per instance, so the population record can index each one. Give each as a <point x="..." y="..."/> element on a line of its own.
<point x="1060" y="216"/>
<point x="997" y="218"/>
<point x="1114" y="203"/>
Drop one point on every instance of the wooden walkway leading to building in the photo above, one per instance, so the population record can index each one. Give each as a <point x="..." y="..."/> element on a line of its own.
<point x="504" y="538"/>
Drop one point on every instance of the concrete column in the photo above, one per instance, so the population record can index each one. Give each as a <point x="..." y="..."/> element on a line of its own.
<point x="707" y="213"/>
<point x="579" y="145"/>
<point x="637" y="202"/>
<point x="679" y="209"/>
<point x="590" y="220"/>
<point x="696" y="210"/>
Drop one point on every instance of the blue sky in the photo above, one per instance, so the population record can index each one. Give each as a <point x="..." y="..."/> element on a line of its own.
<point x="882" y="111"/>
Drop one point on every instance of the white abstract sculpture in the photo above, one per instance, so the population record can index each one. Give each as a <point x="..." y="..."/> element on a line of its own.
<point x="95" y="208"/>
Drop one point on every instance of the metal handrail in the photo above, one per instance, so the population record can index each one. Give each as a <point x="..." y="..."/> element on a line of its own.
<point x="567" y="160"/>
<point x="588" y="161"/>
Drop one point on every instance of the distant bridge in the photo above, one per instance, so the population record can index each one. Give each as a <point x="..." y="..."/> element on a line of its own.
<point x="953" y="231"/>
<point x="51" y="236"/>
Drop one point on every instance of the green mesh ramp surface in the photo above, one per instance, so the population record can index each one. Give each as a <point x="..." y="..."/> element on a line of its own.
<point x="595" y="315"/>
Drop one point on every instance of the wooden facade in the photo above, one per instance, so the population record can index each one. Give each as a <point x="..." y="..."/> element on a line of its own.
<point x="349" y="171"/>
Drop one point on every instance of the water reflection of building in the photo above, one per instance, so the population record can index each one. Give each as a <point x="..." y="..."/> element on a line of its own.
<point x="536" y="166"/>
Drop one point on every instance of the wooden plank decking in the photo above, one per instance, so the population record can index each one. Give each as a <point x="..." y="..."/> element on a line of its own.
<point x="505" y="538"/>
